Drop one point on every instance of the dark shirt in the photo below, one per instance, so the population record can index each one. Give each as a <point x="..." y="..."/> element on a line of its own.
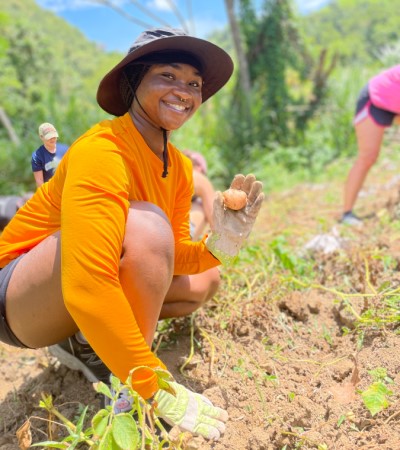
<point x="47" y="162"/>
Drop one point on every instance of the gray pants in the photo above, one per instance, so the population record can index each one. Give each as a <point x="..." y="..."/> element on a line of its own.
<point x="6" y="335"/>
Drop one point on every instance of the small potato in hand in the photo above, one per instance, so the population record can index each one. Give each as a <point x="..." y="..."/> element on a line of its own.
<point x="234" y="199"/>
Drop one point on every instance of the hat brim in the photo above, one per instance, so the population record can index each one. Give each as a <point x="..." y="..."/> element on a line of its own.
<point x="216" y="63"/>
<point x="51" y="135"/>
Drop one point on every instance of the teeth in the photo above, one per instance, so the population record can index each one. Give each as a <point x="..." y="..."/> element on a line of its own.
<point x="177" y="107"/>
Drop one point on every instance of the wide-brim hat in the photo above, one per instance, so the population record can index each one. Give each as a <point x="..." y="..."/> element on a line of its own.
<point x="216" y="64"/>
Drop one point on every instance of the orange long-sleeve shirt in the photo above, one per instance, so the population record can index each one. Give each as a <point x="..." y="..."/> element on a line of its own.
<point x="88" y="199"/>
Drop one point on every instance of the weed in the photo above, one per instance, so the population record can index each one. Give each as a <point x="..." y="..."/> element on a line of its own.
<point x="288" y="259"/>
<point x="291" y="396"/>
<point x="375" y="397"/>
<point x="340" y="421"/>
<point x="271" y="378"/>
<point x="138" y="429"/>
<point x="381" y="305"/>
<point x="240" y="368"/>
<point x="326" y="334"/>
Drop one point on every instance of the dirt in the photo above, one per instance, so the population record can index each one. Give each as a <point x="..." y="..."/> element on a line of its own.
<point x="271" y="346"/>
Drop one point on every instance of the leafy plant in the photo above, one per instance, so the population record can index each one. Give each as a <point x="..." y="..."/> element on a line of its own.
<point x="376" y="396"/>
<point x="288" y="258"/>
<point x="137" y="429"/>
<point x="240" y="368"/>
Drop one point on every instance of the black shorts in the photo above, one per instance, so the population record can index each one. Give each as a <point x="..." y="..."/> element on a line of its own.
<point x="365" y="108"/>
<point x="6" y="335"/>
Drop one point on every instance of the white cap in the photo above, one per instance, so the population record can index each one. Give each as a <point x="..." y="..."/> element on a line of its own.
<point x="47" y="131"/>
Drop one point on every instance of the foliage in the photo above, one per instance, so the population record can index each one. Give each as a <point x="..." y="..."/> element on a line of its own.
<point x="137" y="429"/>
<point x="287" y="88"/>
<point x="281" y="139"/>
<point x="358" y="31"/>
<point x="272" y="42"/>
<point x="42" y="78"/>
<point x="375" y="397"/>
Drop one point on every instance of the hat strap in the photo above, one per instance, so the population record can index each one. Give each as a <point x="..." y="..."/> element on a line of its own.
<point x="165" y="139"/>
<point x="164" y="131"/>
<point x="165" y="153"/>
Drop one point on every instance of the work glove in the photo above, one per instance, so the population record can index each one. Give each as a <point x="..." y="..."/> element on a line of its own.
<point x="231" y="228"/>
<point x="190" y="411"/>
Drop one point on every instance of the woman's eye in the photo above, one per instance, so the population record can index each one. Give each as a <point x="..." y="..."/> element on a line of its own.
<point x="168" y="75"/>
<point x="195" y="84"/>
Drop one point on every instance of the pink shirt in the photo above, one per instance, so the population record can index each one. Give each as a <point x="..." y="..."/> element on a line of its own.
<point x="384" y="90"/>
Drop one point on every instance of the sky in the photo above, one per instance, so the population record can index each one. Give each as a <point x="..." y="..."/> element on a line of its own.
<point x="114" y="31"/>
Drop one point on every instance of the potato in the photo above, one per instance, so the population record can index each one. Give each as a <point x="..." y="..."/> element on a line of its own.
<point x="234" y="199"/>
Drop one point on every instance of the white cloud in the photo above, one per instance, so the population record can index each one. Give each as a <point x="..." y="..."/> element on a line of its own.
<point x="161" y="5"/>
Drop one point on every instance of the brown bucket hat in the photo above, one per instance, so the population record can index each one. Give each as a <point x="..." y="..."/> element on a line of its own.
<point x="217" y="65"/>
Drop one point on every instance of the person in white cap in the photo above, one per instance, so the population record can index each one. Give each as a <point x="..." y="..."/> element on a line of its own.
<point x="103" y="250"/>
<point x="46" y="158"/>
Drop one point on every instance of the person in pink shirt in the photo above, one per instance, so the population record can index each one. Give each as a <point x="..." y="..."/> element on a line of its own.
<point x="378" y="107"/>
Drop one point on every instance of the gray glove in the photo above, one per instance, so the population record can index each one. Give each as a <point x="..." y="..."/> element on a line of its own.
<point x="231" y="228"/>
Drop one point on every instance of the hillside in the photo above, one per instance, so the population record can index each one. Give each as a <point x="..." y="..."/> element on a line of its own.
<point x="49" y="70"/>
<point x="360" y="32"/>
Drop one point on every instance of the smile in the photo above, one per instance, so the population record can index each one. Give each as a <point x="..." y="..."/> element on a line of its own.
<point x="177" y="107"/>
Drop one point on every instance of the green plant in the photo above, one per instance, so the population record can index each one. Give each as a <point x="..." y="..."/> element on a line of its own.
<point x="326" y="334"/>
<point x="240" y="368"/>
<point x="288" y="258"/>
<point x="138" y="429"/>
<point x="291" y="396"/>
<point x="376" y="396"/>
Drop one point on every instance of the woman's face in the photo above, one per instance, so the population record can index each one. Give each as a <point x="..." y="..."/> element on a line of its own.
<point x="169" y="94"/>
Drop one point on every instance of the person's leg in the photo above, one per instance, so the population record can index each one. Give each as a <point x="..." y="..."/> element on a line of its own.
<point x="198" y="220"/>
<point x="189" y="292"/>
<point x="369" y="140"/>
<point x="35" y="309"/>
<point x="147" y="264"/>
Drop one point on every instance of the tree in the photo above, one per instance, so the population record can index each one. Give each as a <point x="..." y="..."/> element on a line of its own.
<point x="244" y="75"/>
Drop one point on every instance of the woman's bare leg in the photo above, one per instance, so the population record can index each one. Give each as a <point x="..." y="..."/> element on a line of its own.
<point x="147" y="264"/>
<point x="369" y="140"/>
<point x="34" y="305"/>
<point x="189" y="292"/>
<point x="35" y="308"/>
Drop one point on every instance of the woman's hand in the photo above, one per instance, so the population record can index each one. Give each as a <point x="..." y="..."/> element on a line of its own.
<point x="190" y="411"/>
<point x="230" y="227"/>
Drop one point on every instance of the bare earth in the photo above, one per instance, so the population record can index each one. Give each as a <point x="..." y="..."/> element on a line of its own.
<point x="274" y="354"/>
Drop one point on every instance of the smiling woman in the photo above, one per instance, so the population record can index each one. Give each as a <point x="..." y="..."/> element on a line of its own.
<point x="104" y="248"/>
<point x="168" y="95"/>
<point x="176" y="85"/>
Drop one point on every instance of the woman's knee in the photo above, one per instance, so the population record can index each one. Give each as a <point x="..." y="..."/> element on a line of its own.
<point x="367" y="160"/>
<point x="148" y="232"/>
<point x="214" y="281"/>
<point x="204" y="285"/>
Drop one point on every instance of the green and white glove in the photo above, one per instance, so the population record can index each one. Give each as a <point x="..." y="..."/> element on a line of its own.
<point x="230" y="227"/>
<point x="190" y="411"/>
